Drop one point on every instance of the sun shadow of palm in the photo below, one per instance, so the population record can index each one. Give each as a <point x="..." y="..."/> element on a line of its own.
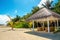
<point x="8" y="30"/>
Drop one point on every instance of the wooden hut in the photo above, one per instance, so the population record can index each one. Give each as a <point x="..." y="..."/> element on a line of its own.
<point x="45" y="15"/>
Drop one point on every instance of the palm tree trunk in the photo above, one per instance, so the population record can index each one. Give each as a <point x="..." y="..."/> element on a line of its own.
<point x="12" y="28"/>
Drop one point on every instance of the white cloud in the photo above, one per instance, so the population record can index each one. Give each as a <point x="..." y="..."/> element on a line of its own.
<point x="4" y="19"/>
<point x="42" y="2"/>
<point x="15" y="11"/>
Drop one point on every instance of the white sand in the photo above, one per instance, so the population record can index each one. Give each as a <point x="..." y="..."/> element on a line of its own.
<point x="18" y="34"/>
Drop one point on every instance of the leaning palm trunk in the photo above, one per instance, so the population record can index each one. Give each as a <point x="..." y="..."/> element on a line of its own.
<point x="12" y="28"/>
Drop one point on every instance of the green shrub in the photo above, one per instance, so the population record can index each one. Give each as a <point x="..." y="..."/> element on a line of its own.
<point x="21" y="25"/>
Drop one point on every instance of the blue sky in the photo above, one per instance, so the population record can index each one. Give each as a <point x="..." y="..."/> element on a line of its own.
<point x="17" y="7"/>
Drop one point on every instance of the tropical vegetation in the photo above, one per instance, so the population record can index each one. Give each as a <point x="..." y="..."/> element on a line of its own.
<point x="20" y="22"/>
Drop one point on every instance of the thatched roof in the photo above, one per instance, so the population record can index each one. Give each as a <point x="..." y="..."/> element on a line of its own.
<point x="43" y="13"/>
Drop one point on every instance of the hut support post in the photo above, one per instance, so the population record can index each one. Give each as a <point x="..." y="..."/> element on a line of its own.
<point x="33" y="25"/>
<point x="43" y="25"/>
<point x="48" y="26"/>
<point x="57" y="24"/>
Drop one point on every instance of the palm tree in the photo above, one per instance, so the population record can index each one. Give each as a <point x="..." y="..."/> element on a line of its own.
<point x="12" y="22"/>
<point x="35" y="9"/>
<point x="17" y="18"/>
<point x="48" y="4"/>
<point x="57" y="7"/>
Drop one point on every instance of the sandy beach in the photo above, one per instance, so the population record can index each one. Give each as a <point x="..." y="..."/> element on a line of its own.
<point x="18" y="34"/>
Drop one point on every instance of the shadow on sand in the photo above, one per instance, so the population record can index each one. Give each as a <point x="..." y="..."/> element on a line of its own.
<point x="46" y="35"/>
<point x="8" y="30"/>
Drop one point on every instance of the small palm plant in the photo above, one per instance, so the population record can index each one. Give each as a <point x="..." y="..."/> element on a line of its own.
<point x="11" y="25"/>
